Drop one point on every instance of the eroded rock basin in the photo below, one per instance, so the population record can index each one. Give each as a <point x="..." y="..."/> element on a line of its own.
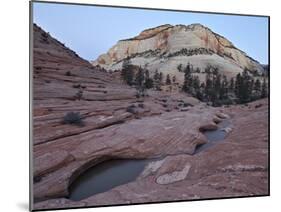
<point x="106" y="176"/>
<point x="112" y="173"/>
<point x="215" y="136"/>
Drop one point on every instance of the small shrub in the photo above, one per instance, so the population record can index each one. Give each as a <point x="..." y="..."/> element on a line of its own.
<point x="79" y="95"/>
<point x="140" y="93"/>
<point x="73" y="118"/>
<point x="79" y="86"/>
<point x="257" y="106"/>
<point x="37" y="179"/>
<point x="45" y="40"/>
<point x="131" y="109"/>
<point x="76" y="86"/>
<point x="141" y="105"/>
<point x="187" y="104"/>
<point x="68" y="73"/>
<point x="44" y="34"/>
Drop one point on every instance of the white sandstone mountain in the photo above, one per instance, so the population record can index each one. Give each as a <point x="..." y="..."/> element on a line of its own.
<point x="165" y="47"/>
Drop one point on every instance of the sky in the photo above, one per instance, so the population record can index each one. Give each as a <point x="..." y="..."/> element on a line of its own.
<point x="91" y="31"/>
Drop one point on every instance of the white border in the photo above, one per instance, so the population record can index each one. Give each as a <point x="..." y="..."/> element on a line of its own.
<point x="15" y="104"/>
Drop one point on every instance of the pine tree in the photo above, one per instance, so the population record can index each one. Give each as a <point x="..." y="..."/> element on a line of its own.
<point x="139" y="81"/>
<point x="168" y="80"/>
<point x="208" y="70"/>
<point x="187" y="79"/>
<point x="179" y="67"/>
<point x="202" y="86"/>
<point x="257" y="86"/>
<point x="140" y="78"/>
<point x="251" y="87"/>
<point x="156" y="75"/>
<point x="191" y="68"/>
<point x="264" y="89"/>
<point x="217" y="83"/>
<point x="244" y="86"/>
<point x="232" y="85"/>
<point x="238" y="85"/>
<point x="201" y="95"/>
<point x="215" y="71"/>
<point x="160" y="78"/>
<point x="198" y="70"/>
<point x="215" y="88"/>
<point x="126" y="73"/>
<point x="195" y="88"/>
<point x="146" y="74"/>
<point x="224" y="89"/>
<point x="208" y="86"/>
<point x="148" y="81"/>
<point x="196" y="83"/>
<point x="174" y="79"/>
<point x="245" y="89"/>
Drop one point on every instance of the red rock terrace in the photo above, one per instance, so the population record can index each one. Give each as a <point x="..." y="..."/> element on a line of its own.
<point x="117" y="125"/>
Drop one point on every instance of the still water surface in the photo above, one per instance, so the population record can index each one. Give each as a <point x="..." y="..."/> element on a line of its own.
<point x="110" y="174"/>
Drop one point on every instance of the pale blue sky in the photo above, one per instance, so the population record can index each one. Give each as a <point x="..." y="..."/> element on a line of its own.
<point x="92" y="30"/>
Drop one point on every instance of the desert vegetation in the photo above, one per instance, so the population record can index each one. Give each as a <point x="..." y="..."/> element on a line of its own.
<point x="216" y="90"/>
<point x="73" y="118"/>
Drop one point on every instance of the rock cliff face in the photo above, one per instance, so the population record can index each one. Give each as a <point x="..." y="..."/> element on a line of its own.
<point x="167" y="46"/>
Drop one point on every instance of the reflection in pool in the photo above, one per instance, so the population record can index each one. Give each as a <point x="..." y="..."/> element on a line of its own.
<point x="214" y="136"/>
<point x="112" y="173"/>
<point x="106" y="176"/>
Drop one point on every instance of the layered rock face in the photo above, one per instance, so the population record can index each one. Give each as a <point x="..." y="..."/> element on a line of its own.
<point x="116" y="124"/>
<point x="165" y="47"/>
<point x="235" y="167"/>
<point x="112" y="117"/>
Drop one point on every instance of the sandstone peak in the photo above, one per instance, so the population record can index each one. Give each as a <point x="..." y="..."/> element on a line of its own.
<point x="148" y="33"/>
<point x="167" y="46"/>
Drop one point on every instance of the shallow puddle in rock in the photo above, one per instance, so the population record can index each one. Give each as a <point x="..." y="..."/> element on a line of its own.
<point x="214" y="136"/>
<point x="112" y="173"/>
<point x="106" y="176"/>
